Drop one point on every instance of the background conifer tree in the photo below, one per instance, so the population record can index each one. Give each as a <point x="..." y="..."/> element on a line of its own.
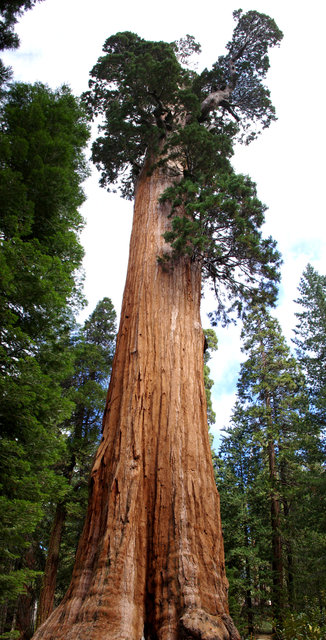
<point x="42" y="138"/>
<point x="310" y="340"/>
<point x="92" y="352"/>
<point x="274" y="438"/>
<point x="310" y="344"/>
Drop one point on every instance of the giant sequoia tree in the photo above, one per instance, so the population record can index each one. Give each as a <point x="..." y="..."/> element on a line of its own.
<point x="150" y="560"/>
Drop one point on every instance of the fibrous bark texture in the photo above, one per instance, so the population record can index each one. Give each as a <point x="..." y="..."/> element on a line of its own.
<point x="150" y="561"/>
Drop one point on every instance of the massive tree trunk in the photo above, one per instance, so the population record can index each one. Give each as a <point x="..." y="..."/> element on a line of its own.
<point x="150" y="560"/>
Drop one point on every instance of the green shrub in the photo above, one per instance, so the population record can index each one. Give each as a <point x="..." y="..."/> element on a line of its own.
<point x="302" y="626"/>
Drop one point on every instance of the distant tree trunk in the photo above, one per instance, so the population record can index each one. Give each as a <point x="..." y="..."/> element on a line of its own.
<point x="46" y="601"/>
<point x="277" y="562"/>
<point x="249" y="606"/>
<point x="3" y="615"/>
<point x="285" y="480"/>
<point x="290" y="567"/>
<point x="24" y="618"/>
<point x="150" y="560"/>
<point x="248" y="597"/>
<point x="25" y="614"/>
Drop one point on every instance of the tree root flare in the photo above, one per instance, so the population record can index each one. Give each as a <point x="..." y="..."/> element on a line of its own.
<point x="196" y="624"/>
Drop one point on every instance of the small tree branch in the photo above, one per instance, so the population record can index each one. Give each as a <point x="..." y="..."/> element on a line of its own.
<point x="217" y="98"/>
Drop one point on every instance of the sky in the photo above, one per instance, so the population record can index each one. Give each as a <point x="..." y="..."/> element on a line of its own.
<point x="61" y="41"/>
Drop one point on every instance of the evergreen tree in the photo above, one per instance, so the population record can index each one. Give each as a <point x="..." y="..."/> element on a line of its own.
<point x="150" y="560"/>
<point x="92" y="351"/>
<point x="9" y="14"/>
<point x="310" y="338"/>
<point x="241" y="479"/>
<point x="42" y="137"/>
<point x="271" y="425"/>
<point x="310" y="342"/>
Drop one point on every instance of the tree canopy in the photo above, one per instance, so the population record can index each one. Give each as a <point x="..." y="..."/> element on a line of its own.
<point x="159" y="113"/>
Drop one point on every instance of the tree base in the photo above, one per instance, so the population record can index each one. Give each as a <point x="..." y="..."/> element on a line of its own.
<point x="199" y="625"/>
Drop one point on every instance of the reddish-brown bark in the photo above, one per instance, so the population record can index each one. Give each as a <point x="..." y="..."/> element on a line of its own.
<point x="150" y="561"/>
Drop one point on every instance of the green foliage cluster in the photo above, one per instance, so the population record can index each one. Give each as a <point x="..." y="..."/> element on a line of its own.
<point x="158" y="113"/>
<point x="307" y="625"/>
<point x="248" y="53"/>
<point x="220" y="226"/>
<point x="42" y="137"/>
<point x="53" y="472"/>
<point x="241" y="480"/>
<point x="9" y="13"/>
<point x="132" y="86"/>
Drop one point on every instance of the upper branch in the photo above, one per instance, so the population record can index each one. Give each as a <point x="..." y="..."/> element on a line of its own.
<point x="220" y="97"/>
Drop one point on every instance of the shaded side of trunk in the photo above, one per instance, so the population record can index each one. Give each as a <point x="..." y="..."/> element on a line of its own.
<point x="151" y="559"/>
<point x="46" y="600"/>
